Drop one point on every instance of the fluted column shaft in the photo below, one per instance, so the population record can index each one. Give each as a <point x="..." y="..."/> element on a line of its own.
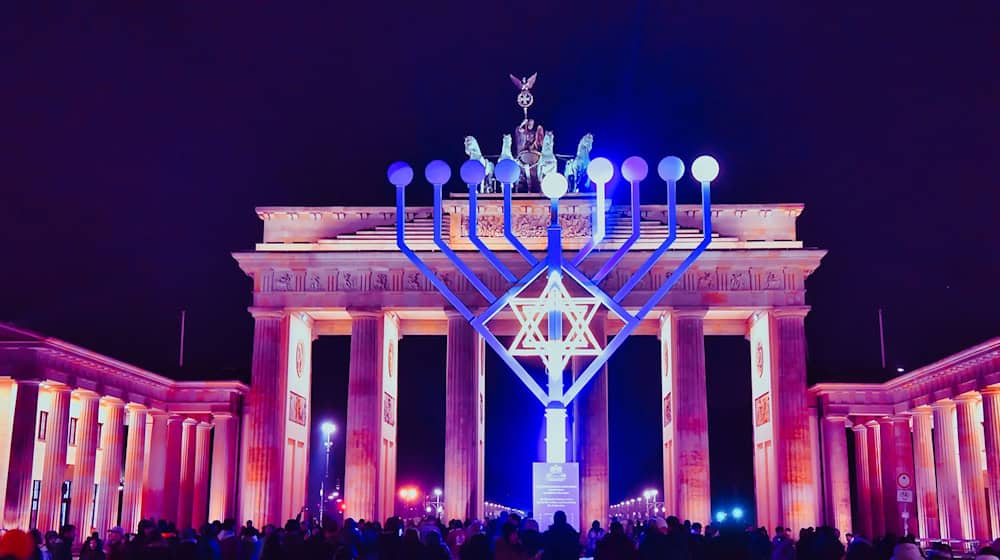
<point x="7" y="389"/>
<point x="946" y="465"/>
<point x="590" y="424"/>
<point x="991" y="429"/>
<point x="463" y="467"/>
<point x="970" y="447"/>
<point x="82" y="489"/>
<point x="864" y="522"/>
<point x="111" y="465"/>
<point x="838" y="477"/>
<point x="222" y="503"/>
<point x="902" y="463"/>
<point x="17" y="506"/>
<point x="685" y="337"/>
<point x="202" y="456"/>
<point x="364" y="405"/>
<point x="793" y="442"/>
<point x="188" y="451"/>
<point x="54" y="465"/>
<point x="262" y="475"/>
<point x="154" y="470"/>
<point x="875" y="478"/>
<point x="135" y="458"/>
<point x="170" y="505"/>
<point x="925" y="475"/>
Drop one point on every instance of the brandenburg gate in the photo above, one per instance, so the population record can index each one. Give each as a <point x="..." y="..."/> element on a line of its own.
<point x="339" y="271"/>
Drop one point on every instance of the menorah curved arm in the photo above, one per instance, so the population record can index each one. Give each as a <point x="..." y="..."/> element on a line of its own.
<point x="598" y="225"/>
<point x="623" y="250"/>
<point x="671" y="237"/>
<point x="474" y="237"/>
<point x="419" y="263"/>
<point x="458" y="262"/>
<point x="508" y="230"/>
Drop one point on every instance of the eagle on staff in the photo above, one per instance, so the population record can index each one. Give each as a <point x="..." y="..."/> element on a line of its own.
<point x="524" y="98"/>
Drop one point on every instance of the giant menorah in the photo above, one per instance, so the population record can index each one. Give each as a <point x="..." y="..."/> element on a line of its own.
<point x="555" y="326"/>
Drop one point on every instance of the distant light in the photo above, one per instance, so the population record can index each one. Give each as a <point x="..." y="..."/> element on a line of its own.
<point x="600" y="170"/>
<point x="328" y="428"/>
<point x="635" y="169"/>
<point x="507" y="171"/>
<point x="705" y="169"/>
<point x="472" y="172"/>
<point x="437" y="491"/>
<point x="737" y="513"/>
<point x="721" y="516"/>
<point x="670" y="168"/>
<point x="437" y="172"/>
<point x="428" y="509"/>
<point x="400" y="174"/>
<point x="900" y="370"/>
<point x="554" y="185"/>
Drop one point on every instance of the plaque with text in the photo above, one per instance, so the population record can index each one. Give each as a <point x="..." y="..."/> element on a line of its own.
<point x="556" y="487"/>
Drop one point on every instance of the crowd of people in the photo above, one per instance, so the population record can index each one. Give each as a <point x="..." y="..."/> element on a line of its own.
<point x="508" y="537"/>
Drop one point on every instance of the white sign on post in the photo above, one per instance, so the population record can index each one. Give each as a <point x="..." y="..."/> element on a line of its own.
<point x="904" y="496"/>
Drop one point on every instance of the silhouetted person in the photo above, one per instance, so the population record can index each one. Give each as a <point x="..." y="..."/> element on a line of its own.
<point x="560" y="542"/>
<point x="615" y="545"/>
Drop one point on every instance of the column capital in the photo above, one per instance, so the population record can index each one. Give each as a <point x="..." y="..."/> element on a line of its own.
<point x="859" y="427"/>
<point x="56" y="387"/>
<point x="992" y="390"/>
<point x="790" y="311"/>
<point x="364" y="312"/>
<point x="136" y="407"/>
<point x="113" y="402"/>
<point x="204" y="425"/>
<point x="872" y="423"/>
<point x="970" y="397"/>
<point x="686" y="312"/>
<point x="924" y="410"/>
<point x="884" y="420"/>
<point x="85" y="394"/>
<point x="943" y="404"/>
<point x="266" y="313"/>
<point x="29" y="381"/>
<point x="190" y="421"/>
<point x="841" y="418"/>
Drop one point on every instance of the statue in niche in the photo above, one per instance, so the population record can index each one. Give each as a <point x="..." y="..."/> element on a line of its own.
<point x="576" y="168"/>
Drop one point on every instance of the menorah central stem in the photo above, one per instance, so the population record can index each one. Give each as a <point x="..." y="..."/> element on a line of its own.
<point x="555" y="433"/>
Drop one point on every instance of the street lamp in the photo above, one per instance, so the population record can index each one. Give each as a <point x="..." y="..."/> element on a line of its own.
<point x="327" y="428"/>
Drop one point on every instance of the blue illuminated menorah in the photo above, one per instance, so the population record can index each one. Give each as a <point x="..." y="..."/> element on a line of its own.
<point x="554" y="344"/>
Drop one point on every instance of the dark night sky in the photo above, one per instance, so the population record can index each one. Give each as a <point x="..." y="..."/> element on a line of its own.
<point x="138" y="138"/>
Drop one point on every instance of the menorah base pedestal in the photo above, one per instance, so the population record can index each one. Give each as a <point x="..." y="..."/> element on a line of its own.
<point x="555" y="487"/>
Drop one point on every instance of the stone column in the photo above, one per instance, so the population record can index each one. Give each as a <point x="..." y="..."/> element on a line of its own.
<point x="946" y="465"/>
<point x="864" y="522"/>
<point x="793" y="444"/>
<point x="970" y="448"/>
<point x="463" y="468"/>
<point x="903" y="463"/>
<point x="172" y="460"/>
<point x="202" y="455"/>
<point x="991" y="430"/>
<point x="7" y="389"/>
<point x="154" y="471"/>
<point x="17" y="506"/>
<point x="222" y="503"/>
<point x="82" y="489"/>
<point x="590" y="425"/>
<point x="924" y="475"/>
<point x="54" y="465"/>
<point x="262" y="475"/>
<point x="135" y="459"/>
<point x="111" y="465"/>
<point x="838" y="478"/>
<point x="685" y="336"/>
<point x="364" y="421"/>
<point x="185" y="498"/>
<point x="875" y="478"/>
